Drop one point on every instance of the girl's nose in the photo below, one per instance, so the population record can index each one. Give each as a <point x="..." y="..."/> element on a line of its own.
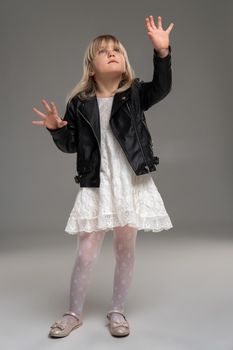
<point x="109" y="53"/>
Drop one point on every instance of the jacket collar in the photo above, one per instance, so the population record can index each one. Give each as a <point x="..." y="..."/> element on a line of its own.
<point x="89" y="108"/>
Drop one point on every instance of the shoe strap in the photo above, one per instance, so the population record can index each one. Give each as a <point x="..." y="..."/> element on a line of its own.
<point x="115" y="311"/>
<point x="78" y="318"/>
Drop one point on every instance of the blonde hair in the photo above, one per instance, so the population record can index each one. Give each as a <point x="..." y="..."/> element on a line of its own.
<point x="86" y="87"/>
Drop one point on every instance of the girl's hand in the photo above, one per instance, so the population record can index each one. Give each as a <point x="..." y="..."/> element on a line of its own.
<point x="158" y="36"/>
<point x="50" y="120"/>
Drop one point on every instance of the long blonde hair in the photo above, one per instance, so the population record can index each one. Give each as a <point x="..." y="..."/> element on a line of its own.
<point x="86" y="87"/>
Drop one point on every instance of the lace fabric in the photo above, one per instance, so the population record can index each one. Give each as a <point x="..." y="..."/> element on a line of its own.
<point x="123" y="197"/>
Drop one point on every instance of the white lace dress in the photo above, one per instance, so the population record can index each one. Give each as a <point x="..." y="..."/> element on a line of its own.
<point x="123" y="197"/>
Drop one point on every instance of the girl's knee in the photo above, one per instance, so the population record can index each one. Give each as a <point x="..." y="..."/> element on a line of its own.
<point x="125" y="230"/>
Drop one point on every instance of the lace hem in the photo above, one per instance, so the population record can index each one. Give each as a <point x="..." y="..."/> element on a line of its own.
<point x="109" y="221"/>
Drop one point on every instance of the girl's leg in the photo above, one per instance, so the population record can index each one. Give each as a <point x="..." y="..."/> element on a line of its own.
<point x="89" y="248"/>
<point x="124" y="247"/>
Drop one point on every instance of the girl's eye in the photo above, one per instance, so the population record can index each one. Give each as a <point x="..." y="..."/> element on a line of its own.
<point x="102" y="50"/>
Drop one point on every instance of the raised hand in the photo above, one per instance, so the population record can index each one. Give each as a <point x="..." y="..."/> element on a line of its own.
<point x="158" y="36"/>
<point x="50" y="120"/>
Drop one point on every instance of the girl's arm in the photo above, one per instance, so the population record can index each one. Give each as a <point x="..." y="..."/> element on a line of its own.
<point x="161" y="84"/>
<point x="155" y="90"/>
<point x="65" y="137"/>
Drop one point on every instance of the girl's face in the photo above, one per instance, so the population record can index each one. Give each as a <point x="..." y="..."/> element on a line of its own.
<point x="102" y="65"/>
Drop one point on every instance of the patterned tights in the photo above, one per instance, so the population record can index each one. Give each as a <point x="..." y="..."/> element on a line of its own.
<point x="89" y="248"/>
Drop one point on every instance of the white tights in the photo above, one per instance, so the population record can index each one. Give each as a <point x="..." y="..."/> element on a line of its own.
<point x="89" y="248"/>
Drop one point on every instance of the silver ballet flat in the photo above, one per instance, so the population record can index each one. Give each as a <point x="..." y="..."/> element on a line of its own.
<point x="118" y="328"/>
<point x="61" y="329"/>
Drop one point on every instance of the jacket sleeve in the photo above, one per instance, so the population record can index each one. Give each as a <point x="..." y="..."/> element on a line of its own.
<point x="154" y="91"/>
<point x="65" y="137"/>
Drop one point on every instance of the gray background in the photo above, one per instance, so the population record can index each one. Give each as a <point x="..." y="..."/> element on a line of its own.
<point x="181" y="297"/>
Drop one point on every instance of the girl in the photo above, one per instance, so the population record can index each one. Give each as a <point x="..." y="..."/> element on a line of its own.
<point x="104" y="124"/>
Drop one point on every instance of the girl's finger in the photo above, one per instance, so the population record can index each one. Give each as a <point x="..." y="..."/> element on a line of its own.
<point x="54" y="109"/>
<point x="160" y="22"/>
<point x="42" y="115"/>
<point x="168" y="30"/>
<point x="148" y="25"/>
<point x="64" y="122"/>
<point x="152" y="22"/>
<point x="35" y="122"/>
<point x="45" y="103"/>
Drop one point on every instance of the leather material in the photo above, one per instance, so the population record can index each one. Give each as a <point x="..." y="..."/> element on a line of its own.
<point x="128" y="123"/>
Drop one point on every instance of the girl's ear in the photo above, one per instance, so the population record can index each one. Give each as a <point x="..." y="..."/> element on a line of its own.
<point x="91" y="71"/>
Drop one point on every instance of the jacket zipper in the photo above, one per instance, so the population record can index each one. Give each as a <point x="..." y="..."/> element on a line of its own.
<point x="94" y="134"/>
<point x="151" y="144"/>
<point x="147" y="167"/>
<point x="92" y="129"/>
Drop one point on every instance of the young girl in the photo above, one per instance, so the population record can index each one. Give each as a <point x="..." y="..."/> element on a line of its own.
<point x="104" y="124"/>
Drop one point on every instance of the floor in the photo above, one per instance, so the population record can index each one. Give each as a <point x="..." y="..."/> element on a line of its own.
<point x="181" y="297"/>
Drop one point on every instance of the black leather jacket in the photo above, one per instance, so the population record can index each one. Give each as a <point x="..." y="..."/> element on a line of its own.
<point x="127" y="121"/>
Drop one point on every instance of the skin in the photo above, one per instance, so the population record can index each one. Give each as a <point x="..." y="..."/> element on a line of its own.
<point x="108" y="75"/>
